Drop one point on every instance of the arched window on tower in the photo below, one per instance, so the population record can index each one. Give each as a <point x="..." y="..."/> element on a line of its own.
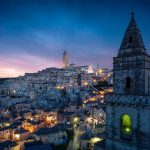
<point x="130" y="39"/>
<point x="126" y="126"/>
<point x="128" y="82"/>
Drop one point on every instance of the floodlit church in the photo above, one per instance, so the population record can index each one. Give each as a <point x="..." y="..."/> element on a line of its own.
<point x="128" y="107"/>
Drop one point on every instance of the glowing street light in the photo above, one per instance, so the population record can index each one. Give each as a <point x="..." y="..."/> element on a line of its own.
<point x="59" y="87"/>
<point x="94" y="80"/>
<point x="100" y="71"/>
<point x="48" y="118"/>
<point x="17" y="137"/>
<point x="93" y="99"/>
<point x="95" y="140"/>
<point x="102" y="96"/>
<point x="85" y="83"/>
<point x="75" y="120"/>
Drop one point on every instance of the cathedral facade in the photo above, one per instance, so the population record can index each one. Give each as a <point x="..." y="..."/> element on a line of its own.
<point x="128" y="107"/>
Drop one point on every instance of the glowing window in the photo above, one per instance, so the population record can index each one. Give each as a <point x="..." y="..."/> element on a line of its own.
<point x="126" y="124"/>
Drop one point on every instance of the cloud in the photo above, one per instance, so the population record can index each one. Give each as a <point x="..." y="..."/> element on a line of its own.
<point x="34" y="33"/>
<point x="15" y="65"/>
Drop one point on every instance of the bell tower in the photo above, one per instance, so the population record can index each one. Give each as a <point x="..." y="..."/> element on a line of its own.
<point x="132" y="64"/>
<point x="127" y="108"/>
<point x="65" y="59"/>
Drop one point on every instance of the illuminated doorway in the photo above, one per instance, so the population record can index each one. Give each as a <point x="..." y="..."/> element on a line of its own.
<point x="126" y="126"/>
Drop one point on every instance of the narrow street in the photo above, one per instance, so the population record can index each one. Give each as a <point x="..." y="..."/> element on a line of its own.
<point x="74" y="144"/>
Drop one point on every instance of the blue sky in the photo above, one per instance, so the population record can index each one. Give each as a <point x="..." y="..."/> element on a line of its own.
<point x="34" y="33"/>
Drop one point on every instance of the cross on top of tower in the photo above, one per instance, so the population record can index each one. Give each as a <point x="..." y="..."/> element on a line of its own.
<point x="132" y="25"/>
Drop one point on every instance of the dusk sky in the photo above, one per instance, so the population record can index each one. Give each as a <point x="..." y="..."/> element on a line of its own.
<point x="34" y="33"/>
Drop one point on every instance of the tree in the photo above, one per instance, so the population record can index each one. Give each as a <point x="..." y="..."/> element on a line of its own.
<point x="101" y="84"/>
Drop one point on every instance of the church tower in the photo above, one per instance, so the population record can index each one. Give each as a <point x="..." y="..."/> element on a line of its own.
<point x="65" y="59"/>
<point x="128" y="107"/>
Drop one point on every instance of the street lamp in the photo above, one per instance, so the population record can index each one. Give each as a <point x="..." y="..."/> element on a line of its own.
<point x="75" y="119"/>
<point x="85" y="83"/>
<point x="100" y="71"/>
<point x="17" y="136"/>
<point x="95" y="140"/>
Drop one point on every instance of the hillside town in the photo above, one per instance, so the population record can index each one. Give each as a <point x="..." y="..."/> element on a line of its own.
<point x="82" y="104"/>
<point x="55" y="107"/>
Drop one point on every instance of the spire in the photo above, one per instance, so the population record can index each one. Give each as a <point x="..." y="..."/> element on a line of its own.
<point x="65" y="59"/>
<point x="132" y="25"/>
<point x="65" y="52"/>
<point x="132" y="43"/>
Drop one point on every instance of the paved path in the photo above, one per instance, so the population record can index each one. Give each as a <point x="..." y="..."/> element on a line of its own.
<point x="74" y="144"/>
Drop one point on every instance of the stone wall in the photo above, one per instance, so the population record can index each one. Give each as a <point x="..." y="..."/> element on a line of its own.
<point x="138" y="108"/>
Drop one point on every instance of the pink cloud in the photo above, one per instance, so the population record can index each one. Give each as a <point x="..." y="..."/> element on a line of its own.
<point x="15" y="65"/>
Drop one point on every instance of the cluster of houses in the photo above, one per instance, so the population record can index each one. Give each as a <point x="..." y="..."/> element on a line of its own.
<point x="45" y="125"/>
<point x="50" y="126"/>
<point x="38" y="109"/>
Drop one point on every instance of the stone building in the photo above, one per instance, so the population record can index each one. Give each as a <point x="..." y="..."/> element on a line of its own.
<point x="128" y="107"/>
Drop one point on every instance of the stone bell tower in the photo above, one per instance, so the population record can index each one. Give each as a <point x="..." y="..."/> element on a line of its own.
<point x="131" y="66"/>
<point x="65" y="59"/>
<point x="128" y="107"/>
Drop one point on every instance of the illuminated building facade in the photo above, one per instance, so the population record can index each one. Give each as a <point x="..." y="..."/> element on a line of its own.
<point x="127" y="110"/>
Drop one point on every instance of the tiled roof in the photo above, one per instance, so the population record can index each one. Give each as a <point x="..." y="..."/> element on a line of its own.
<point x="58" y="128"/>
